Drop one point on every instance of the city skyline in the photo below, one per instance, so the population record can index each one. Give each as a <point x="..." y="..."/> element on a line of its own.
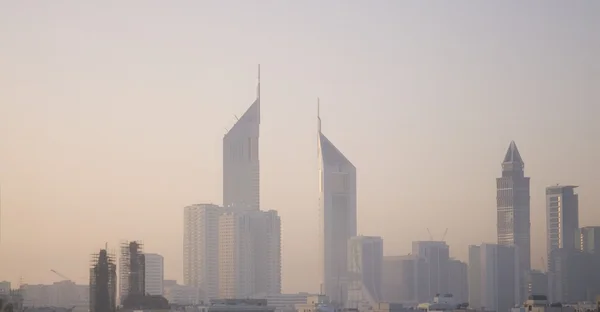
<point x="95" y="137"/>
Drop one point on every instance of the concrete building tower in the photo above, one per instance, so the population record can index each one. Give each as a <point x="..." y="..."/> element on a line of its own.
<point x="154" y="275"/>
<point x="201" y="248"/>
<point x="337" y="207"/>
<point x="513" y="206"/>
<point x="241" y="165"/>
<point x="131" y="270"/>
<point x="365" y="261"/>
<point x="103" y="282"/>
<point x="513" y="210"/>
<point x="436" y="255"/>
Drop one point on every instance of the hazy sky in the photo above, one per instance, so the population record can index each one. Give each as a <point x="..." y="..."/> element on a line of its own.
<point x="112" y="115"/>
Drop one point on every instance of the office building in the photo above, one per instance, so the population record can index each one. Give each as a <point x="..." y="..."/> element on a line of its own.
<point x="458" y="281"/>
<point x="249" y="254"/>
<point x="337" y="209"/>
<point x="513" y="210"/>
<point x="154" y="277"/>
<point x="474" y="277"/>
<point x="241" y="165"/>
<point x="587" y="239"/>
<point x="537" y="283"/>
<point x="365" y="260"/>
<point x="562" y="217"/>
<point x="201" y="248"/>
<point x="436" y="255"/>
<point x="494" y="277"/>
<point x="405" y="280"/>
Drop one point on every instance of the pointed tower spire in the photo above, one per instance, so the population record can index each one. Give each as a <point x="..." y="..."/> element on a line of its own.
<point x="512" y="160"/>
<point x="258" y="93"/>
<point x="319" y="115"/>
<point x="258" y="86"/>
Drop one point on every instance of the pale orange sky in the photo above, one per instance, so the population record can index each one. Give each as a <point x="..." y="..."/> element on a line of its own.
<point x="112" y="115"/>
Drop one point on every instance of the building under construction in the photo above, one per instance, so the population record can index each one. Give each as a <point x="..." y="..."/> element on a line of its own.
<point x="103" y="282"/>
<point x="132" y="270"/>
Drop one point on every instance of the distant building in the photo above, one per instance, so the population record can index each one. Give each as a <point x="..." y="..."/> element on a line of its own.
<point x="241" y="305"/>
<point x="493" y="277"/>
<point x="436" y="255"/>
<point x="131" y="270"/>
<point x="365" y="260"/>
<point x="180" y="294"/>
<point x="103" y="282"/>
<point x="317" y="303"/>
<point x="562" y="217"/>
<point x="241" y="164"/>
<point x="573" y="276"/>
<point x="284" y="302"/>
<point x="337" y="209"/>
<point x="249" y="253"/>
<point x="587" y="239"/>
<point x="201" y="248"/>
<point x="513" y="209"/>
<point x="154" y="274"/>
<point x="458" y="284"/>
<point x="405" y="280"/>
<point x="539" y="303"/>
<point x="537" y="283"/>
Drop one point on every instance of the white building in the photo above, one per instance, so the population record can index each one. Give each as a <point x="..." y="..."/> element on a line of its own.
<point x="365" y="260"/>
<point x="249" y="254"/>
<point x="181" y="295"/>
<point x="201" y="248"/>
<point x="241" y="165"/>
<point x="154" y="274"/>
<point x="337" y="209"/>
<point x="494" y="274"/>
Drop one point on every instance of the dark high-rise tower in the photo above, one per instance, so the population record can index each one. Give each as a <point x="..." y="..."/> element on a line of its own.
<point x="103" y="282"/>
<point x="513" y="206"/>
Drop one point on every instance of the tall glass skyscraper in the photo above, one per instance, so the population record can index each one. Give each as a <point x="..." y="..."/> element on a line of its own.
<point x="513" y="208"/>
<point x="337" y="207"/>
<point x="241" y="166"/>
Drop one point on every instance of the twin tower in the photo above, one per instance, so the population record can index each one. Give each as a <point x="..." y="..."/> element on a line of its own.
<point x="336" y="183"/>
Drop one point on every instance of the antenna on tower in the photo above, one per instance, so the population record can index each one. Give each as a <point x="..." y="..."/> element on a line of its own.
<point x="319" y="115"/>
<point x="258" y="87"/>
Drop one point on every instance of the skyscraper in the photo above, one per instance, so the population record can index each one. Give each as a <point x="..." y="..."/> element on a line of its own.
<point x="494" y="277"/>
<point x="337" y="208"/>
<point x="513" y="210"/>
<point x="241" y="165"/>
<point x="201" y="248"/>
<point x="154" y="274"/>
<point x="436" y="255"/>
<point x="249" y="254"/>
<point x="458" y="283"/>
<point x="103" y="282"/>
<point x="131" y="270"/>
<point x="365" y="260"/>
<point x="588" y="239"/>
<point x="562" y="217"/>
<point x="566" y="263"/>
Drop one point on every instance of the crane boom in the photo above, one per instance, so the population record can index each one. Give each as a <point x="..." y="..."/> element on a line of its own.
<point x="59" y="274"/>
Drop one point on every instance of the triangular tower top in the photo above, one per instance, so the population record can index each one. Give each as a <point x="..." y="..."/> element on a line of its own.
<point x="512" y="154"/>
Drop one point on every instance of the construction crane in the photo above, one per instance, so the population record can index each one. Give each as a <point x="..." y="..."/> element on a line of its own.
<point x="444" y="236"/>
<point x="61" y="275"/>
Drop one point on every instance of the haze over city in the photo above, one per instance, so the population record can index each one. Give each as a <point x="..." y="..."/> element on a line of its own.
<point x="112" y="116"/>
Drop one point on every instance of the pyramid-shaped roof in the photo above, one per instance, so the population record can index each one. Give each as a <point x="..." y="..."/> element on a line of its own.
<point x="512" y="154"/>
